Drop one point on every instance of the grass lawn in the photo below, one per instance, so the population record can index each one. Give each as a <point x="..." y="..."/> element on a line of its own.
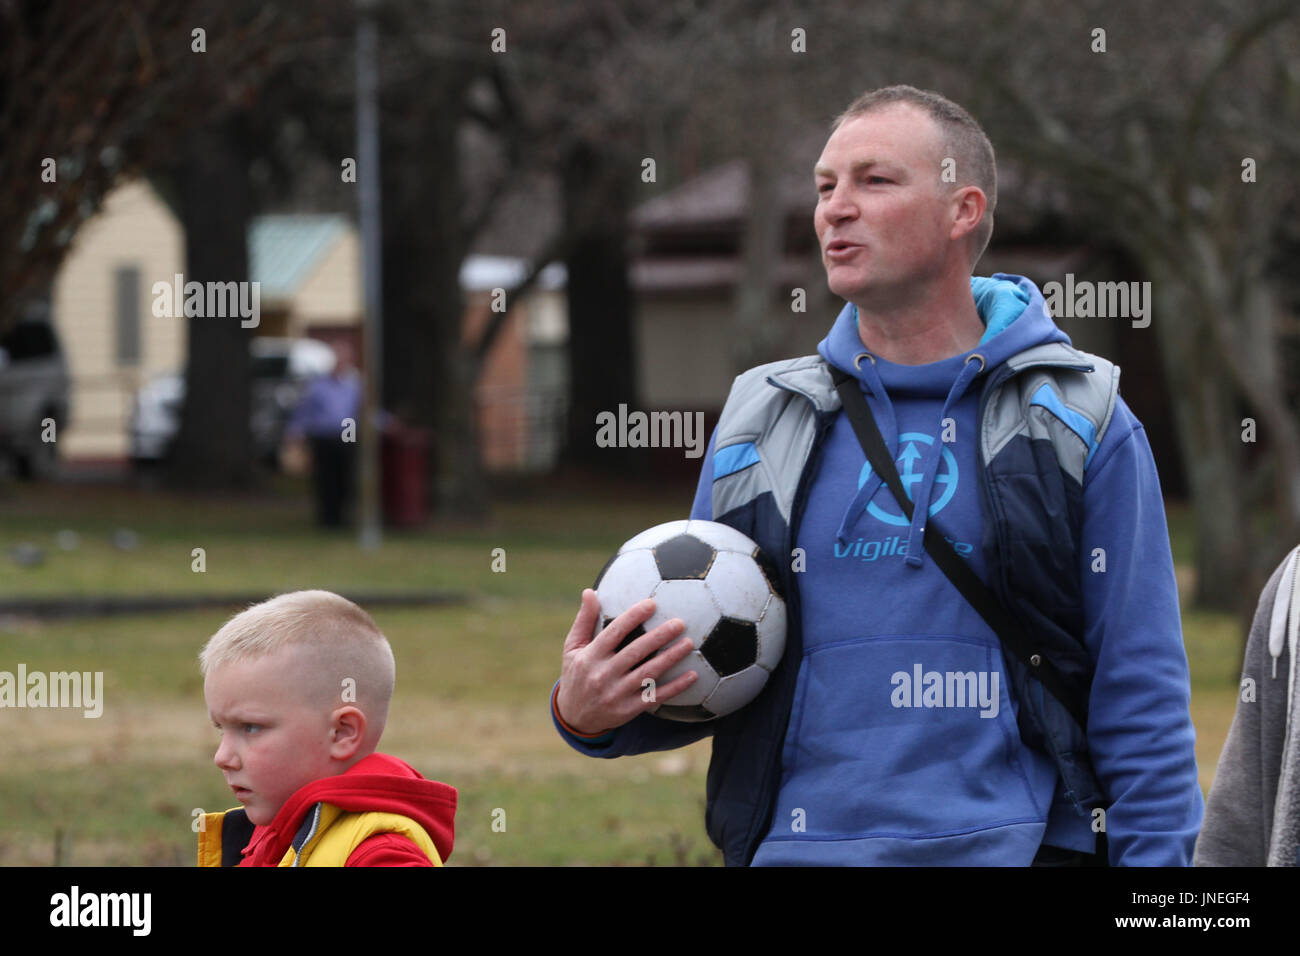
<point x="471" y="701"/>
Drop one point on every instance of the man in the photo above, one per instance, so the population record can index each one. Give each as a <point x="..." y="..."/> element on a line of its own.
<point x="328" y="403"/>
<point x="896" y="729"/>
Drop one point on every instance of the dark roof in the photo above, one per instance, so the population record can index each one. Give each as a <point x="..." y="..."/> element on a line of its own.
<point x="720" y="196"/>
<point x="703" y="273"/>
<point x="528" y="215"/>
<point x="524" y="220"/>
<point x="717" y="199"/>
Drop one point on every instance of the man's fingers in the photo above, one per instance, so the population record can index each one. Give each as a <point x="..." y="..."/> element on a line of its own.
<point x="666" y="692"/>
<point x="657" y="666"/>
<point x="650" y="642"/>
<point x="584" y="625"/>
<point x="607" y="640"/>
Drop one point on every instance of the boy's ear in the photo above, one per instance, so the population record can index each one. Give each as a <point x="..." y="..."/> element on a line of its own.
<point x="348" y="730"/>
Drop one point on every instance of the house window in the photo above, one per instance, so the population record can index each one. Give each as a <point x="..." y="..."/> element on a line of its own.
<point x="126" y="283"/>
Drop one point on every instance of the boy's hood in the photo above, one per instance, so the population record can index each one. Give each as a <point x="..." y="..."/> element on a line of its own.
<point x="376" y="783"/>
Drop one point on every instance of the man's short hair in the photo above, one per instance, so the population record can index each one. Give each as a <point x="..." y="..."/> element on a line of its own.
<point x="342" y="637"/>
<point x="964" y="141"/>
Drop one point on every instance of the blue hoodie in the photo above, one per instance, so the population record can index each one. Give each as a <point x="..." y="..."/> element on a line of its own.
<point x="902" y="746"/>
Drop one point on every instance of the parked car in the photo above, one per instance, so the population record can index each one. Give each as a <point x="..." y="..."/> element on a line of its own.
<point x="281" y="367"/>
<point x="33" y="392"/>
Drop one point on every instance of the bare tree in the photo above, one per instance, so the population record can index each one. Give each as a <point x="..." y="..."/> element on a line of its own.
<point x="1156" y="129"/>
<point x="96" y="92"/>
<point x="91" y="93"/>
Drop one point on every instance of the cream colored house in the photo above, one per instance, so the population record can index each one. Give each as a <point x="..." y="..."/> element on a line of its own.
<point x="111" y="339"/>
<point x="309" y="272"/>
<point x="308" y="267"/>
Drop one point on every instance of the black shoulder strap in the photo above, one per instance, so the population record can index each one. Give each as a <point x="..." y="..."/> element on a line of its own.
<point x="1009" y="632"/>
<point x="1008" y="629"/>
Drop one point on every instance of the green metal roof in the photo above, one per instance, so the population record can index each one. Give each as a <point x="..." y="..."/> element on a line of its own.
<point x="284" y="250"/>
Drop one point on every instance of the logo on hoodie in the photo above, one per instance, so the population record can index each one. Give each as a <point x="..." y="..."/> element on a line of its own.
<point x="909" y="467"/>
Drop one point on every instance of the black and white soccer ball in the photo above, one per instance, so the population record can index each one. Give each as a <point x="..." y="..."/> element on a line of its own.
<point x="726" y="591"/>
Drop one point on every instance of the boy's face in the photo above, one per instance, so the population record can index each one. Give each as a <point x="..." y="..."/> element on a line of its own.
<point x="273" y="739"/>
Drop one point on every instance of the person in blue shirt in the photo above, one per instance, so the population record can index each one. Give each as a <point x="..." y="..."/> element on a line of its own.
<point x="840" y="760"/>
<point x="328" y="404"/>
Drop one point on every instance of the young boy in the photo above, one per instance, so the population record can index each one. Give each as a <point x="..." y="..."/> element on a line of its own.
<point x="299" y="688"/>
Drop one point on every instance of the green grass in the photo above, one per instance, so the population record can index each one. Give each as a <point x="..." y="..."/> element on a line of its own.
<point x="551" y="544"/>
<point x="471" y="701"/>
<point x="470" y="709"/>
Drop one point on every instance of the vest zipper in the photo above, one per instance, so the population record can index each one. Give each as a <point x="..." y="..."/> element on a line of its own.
<point x="315" y="822"/>
<point x="762" y="820"/>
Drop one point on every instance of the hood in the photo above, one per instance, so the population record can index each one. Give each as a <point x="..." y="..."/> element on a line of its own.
<point x="1284" y="623"/>
<point x="376" y="783"/>
<point x="1015" y="316"/>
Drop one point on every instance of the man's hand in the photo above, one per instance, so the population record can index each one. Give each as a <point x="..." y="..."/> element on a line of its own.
<point x="600" y="687"/>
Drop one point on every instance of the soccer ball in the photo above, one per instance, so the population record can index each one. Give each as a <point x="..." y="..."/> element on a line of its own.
<point x="717" y="581"/>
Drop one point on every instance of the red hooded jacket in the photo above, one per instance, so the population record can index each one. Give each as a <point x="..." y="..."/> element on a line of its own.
<point x="376" y="783"/>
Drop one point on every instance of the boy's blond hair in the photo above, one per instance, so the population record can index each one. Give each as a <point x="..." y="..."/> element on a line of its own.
<point x="344" y="642"/>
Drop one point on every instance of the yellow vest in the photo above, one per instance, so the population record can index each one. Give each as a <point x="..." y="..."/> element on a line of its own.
<point x="337" y="834"/>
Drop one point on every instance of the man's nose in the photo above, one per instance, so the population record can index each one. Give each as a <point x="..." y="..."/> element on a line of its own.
<point x="837" y="206"/>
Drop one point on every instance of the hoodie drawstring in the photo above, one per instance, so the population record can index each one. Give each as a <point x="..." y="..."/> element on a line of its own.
<point x="929" y="470"/>
<point x="921" y="501"/>
<point x="868" y="489"/>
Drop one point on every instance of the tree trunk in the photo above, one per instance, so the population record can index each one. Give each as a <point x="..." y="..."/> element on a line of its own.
<point x="602" y="363"/>
<point x="1209" y="434"/>
<point x="214" y="448"/>
<point x="755" y="337"/>
<point x="1231" y="298"/>
<point x="1277" y="422"/>
<point x="426" y="379"/>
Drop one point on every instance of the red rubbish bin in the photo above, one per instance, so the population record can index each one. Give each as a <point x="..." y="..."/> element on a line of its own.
<point x="404" y="466"/>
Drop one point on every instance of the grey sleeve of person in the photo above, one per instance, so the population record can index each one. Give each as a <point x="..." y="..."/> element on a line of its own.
<point x="1238" y="829"/>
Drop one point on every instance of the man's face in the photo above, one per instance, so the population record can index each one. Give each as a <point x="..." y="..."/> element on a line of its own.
<point x="272" y="740"/>
<point x="879" y="198"/>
